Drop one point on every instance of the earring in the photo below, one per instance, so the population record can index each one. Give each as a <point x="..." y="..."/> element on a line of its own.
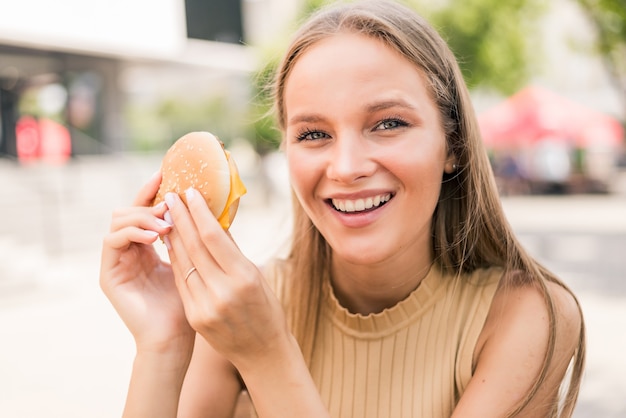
<point x="454" y="167"/>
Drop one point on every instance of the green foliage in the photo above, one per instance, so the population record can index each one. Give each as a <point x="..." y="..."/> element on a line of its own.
<point x="492" y="39"/>
<point x="264" y="135"/>
<point x="609" y="19"/>
<point x="263" y="131"/>
<point x="157" y="126"/>
<point x="311" y="6"/>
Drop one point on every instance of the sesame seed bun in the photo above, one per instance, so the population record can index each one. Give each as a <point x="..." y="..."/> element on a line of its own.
<point x="199" y="160"/>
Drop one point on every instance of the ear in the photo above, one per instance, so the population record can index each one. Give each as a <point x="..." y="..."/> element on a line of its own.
<point x="450" y="166"/>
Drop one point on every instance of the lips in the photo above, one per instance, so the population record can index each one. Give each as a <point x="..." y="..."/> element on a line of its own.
<point x="362" y="204"/>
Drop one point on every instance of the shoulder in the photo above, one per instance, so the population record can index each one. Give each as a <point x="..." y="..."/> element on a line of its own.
<point x="524" y="309"/>
<point x="515" y="342"/>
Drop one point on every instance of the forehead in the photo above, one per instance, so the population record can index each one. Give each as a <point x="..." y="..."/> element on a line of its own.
<point x="344" y="48"/>
<point x="350" y="67"/>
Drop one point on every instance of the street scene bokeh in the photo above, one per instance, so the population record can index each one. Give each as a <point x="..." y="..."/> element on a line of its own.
<point x="87" y="113"/>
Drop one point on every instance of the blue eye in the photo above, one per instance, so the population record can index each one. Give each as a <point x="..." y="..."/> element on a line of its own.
<point x="311" y="135"/>
<point x="390" y="124"/>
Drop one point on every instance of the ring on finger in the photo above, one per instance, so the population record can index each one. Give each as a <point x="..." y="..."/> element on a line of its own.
<point x="191" y="270"/>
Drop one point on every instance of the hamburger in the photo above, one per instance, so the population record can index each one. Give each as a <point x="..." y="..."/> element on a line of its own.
<point x="199" y="160"/>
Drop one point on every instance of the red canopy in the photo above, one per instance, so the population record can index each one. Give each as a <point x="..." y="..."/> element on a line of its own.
<point x="534" y="113"/>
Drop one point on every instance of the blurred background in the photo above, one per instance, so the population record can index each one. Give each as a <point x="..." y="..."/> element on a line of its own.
<point x="93" y="93"/>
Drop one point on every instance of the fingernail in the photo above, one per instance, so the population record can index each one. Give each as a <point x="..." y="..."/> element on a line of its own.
<point x="170" y="199"/>
<point x="168" y="218"/>
<point x="166" y="241"/>
<point x="162" y="223"/>
<point x="150" y="234"/>
<point x="190" y="193"/>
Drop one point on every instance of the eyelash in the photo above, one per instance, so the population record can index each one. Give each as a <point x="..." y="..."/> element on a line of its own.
<point x="397" y="119"/>
<point x="302" y="135"/>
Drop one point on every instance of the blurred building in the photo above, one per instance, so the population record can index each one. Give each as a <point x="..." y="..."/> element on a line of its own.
<point x="68" y="68"/>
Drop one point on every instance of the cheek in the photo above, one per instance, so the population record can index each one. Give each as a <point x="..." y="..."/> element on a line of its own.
<point x="423" y="168"/>
<point x="301" y="173"/>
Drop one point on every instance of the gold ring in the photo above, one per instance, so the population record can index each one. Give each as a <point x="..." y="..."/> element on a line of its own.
<point x="191" y="270"/>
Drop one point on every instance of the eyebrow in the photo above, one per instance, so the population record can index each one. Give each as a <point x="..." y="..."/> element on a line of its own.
<point x="387" y="104"/>
<point x="373" y="107"/>
<point x="306" y="118"/>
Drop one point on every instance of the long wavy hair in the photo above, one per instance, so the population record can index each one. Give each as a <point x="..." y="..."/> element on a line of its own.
<point x="469" y="227"/>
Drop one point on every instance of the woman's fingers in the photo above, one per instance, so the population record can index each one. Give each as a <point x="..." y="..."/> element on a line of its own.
<point x="146" y="218"/>
<point x="122" y="238"/>
<point x="225" y="298"/>
<point x="179" y="242"/>
<point x="224" y="282"/>
<point x="115" y="243"/>
<point x="187" y="274"/>
<point x="218" y="242"/>
<point x="208" y="289"/>
<point x="133" y="229"/>
<point x="139" y="224"/>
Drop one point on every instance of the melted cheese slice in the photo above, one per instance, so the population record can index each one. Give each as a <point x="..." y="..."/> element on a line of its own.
<point x="237" y="189"/>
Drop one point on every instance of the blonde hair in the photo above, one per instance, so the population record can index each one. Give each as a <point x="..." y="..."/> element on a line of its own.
<point x="469" y="227"/>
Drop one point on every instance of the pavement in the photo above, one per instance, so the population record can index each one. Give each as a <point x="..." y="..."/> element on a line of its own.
<point x="65" y="353"/>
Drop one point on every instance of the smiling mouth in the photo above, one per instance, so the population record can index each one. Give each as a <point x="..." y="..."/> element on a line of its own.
<point x="360" y="205"/>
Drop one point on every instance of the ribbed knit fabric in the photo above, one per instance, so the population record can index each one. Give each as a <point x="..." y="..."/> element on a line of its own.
<point x="413" y="360"/>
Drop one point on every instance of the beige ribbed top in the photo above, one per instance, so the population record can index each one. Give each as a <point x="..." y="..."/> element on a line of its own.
<point x="412" y="360"/>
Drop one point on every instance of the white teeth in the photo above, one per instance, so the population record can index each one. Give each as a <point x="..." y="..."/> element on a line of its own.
<point x="359" y="205"/>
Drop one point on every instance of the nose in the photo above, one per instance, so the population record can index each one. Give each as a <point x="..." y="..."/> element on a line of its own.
<point x="350" y="159"/>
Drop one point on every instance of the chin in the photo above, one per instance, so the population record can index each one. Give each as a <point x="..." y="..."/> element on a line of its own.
<point x="361" y="255"/>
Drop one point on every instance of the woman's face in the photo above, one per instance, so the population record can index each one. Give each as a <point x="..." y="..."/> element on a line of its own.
<point x="365" y="148"/>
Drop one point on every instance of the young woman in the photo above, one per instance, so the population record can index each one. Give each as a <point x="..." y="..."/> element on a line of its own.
<point x="405" y="293"/>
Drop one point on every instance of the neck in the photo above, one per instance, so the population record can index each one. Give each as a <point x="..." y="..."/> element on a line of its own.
<point x="367" y="289"/>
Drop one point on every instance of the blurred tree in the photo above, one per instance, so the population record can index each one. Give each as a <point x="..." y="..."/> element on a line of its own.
<point x="264" y="135"/>
<point x="609" y="20"/>
<point x="157" y="126"/>
<point x="492" y="39"/>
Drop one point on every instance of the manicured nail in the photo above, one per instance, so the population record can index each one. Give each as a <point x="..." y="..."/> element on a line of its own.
<point x="190" y="193"/>
<point x="168" y="218"/>
<point x="160" y="206"/>
<point x="170" y="199"/>
<point x="150" y="234"/>
<point x="162" y="223"/>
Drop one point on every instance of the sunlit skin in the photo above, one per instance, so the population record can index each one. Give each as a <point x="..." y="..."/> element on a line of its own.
<point x="361" y="124"/>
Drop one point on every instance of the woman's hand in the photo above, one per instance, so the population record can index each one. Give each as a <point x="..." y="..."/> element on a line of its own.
<point x="226" y="299"/>
<point x="138" y="283"/>
<point x="228" y="302"/>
